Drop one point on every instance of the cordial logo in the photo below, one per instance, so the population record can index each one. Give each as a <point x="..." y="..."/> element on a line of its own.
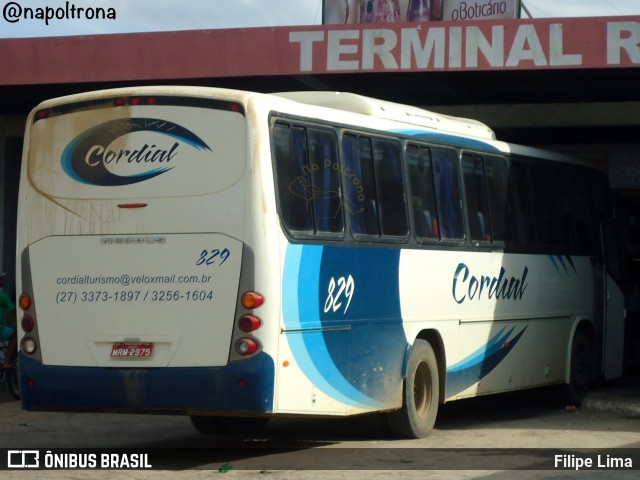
<point x="91" y="157"/>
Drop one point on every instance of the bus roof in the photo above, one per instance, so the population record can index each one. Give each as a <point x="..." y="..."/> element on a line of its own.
<point x="407" y="114"/>
<point x="339" y="101"/>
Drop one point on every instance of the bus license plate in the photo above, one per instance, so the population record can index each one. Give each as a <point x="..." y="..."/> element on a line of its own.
<point x="132" y="350"/>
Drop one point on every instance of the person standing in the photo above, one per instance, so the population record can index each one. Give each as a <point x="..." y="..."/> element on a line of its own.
<point x="7" y="322"/>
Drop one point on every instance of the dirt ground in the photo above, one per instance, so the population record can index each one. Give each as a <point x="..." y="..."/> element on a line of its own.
<point x="335" y="449"/>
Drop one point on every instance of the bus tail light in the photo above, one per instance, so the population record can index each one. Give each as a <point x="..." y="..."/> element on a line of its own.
<point x="243" y="343"/>
<point x="251" y="300"/>
<point x="28" y="323"/>
<point x="249" y="323"/>
<point x="246" y="346"/>
<point x="24" y="302"/>
<point x="28" y="345"/>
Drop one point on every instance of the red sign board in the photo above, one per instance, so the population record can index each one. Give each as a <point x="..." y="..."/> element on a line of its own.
<point x="594" y="42"/>
<point x="485" y="45"/>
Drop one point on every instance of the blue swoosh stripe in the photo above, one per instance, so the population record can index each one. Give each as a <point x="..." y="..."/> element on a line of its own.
<point x="480" y="353"/>
<point x="460" y="379"/>
<point x="300" y="300"/>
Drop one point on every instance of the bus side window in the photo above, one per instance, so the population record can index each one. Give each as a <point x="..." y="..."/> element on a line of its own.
<point x="323" y="160"/>
<point x="522" y="200"/>
<point x="499" y="205"/>
<point x="545" y="206"/>
<point x="477" y="202"/>
<point x="563" y="219"/>
<point x="422" y="192"/>
<point x="359" y="184"/>
<point x="390" y="188"/>
<point x="449" y="200"/>
<point x="293" y="178"/>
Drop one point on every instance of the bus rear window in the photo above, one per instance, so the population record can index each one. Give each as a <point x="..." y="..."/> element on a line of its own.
<point x="137" y="151"/>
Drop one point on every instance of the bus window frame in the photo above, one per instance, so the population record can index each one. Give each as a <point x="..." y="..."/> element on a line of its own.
<point x="492" y="244"/>
<point x="314" y="235"/>
<point x="440" y="241"/>
<point x="554" y="246"/>
<point x="373" y="136"/>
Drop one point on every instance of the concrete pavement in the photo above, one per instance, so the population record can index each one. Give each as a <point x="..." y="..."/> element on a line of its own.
<point x="621" y="396"/>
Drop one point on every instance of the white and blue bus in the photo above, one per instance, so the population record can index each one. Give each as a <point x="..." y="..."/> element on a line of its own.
<point x="234" y="256"/>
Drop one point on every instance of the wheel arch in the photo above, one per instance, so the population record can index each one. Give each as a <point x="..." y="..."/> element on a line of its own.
<point x="435" y="340"/>
<point x="586" y="327"/>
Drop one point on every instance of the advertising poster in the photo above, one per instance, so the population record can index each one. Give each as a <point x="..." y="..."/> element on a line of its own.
<point x="386" y="11"/>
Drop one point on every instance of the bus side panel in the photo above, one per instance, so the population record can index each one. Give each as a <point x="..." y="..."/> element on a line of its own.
<point x="515" y="314"/>
<point x="342" y="330"/>
<point x="514" y="317"/>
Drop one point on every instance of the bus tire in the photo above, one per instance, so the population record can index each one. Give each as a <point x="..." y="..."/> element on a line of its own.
<point x="14" y="384"/>
<point x="206" y="425"/>
<point x="580" y="369"/>
<point x="421" y="394"/>
<point x="243" y="424"/>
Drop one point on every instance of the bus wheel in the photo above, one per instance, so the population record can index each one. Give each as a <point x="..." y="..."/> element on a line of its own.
<point x="244" y="424"/>
<point x="421" y="394"/>
<point x="207" y="425"/>
<point x="580" y="374"/>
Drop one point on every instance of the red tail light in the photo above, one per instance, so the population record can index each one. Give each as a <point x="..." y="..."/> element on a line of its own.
<point x="249" y="323"/>
<point x="28" y="323"/>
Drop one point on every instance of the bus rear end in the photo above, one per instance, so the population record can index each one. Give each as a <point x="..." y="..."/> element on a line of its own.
<point x="130" y="253"/>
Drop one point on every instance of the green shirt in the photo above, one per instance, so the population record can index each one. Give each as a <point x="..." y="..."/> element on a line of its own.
<point x="6" y="305"/>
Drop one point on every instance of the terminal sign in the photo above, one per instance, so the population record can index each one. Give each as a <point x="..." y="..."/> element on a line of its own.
<point x="486" y="45"/>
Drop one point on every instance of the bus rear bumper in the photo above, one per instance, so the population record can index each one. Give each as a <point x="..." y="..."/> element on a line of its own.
<point x="238" y="388"/>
